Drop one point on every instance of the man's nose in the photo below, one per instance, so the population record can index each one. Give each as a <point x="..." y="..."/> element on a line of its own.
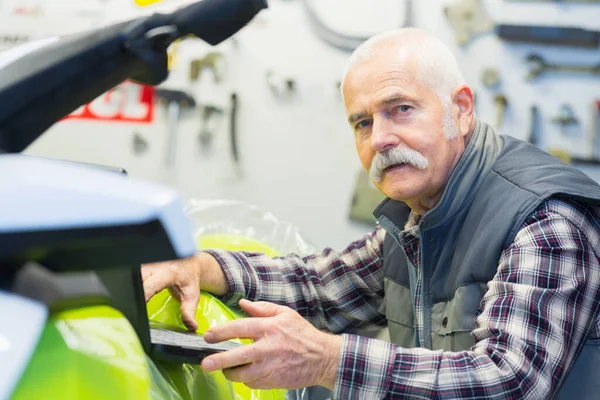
<point x="383" y="137"/>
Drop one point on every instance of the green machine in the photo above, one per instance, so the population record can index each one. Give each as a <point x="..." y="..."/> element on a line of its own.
<point x="73" y="321"/>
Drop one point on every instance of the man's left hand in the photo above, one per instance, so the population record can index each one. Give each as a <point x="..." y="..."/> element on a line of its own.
<point x="288" y="352"/>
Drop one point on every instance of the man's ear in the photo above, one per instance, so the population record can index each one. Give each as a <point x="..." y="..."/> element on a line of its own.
<point x="464" y="99"/>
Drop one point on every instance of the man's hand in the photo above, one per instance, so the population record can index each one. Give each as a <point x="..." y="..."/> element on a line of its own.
<point x="288" y="352"/>
<point x="185" y="278"/>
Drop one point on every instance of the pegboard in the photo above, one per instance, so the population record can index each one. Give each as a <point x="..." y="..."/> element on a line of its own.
<point x="297" y="156"/>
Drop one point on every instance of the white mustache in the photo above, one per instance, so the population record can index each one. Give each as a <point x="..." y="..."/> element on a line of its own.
<point x="397" y="155"/>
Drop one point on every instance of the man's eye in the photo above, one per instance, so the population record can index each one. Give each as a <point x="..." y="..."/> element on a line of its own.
<point x="402" y="109"/>
<point x="362" y="124"/>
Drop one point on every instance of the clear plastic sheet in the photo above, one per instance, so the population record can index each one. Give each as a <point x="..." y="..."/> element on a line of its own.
<point x="246" y="226"/>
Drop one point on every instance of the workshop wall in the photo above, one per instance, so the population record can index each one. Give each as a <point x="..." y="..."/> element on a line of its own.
<point x="297" y="157"/>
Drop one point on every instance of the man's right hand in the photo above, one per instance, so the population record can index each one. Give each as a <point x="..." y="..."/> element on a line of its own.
<point x="185" y="278"/>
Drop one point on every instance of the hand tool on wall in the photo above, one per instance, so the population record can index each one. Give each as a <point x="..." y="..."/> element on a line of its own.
<point x="534" y="135"/>
<point x="211" y="61"/>
<point x="490" y="77"/>
<point x="233" y="128"/>
<point x="552" y="35"/>
<point x="280" y="86"/>
<point x="469" y="19"/>
<point x="538" y="66"/>
<point x="501" y="103"/>
<point x="210" y="115"/>
<point x="566" y="116"/>
<point x="139" y="144"/>
<point x="596" y="128"/>
<point x="567" y="120"/>
<point x="554" y="1"/>
<point x="176" y="101"/>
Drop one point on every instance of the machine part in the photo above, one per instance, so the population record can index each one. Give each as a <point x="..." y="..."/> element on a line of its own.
<point x="60" y="291"/>
<point x="176" y="101"/>
<point x="553" y="35"/>
<point x="468" y="19"/>
<point x="341" y="41"/>
<point x="139" y="144"/>
<point x="209" y="113"/>
<point x="19" y="339"/>
<point x="233" y="128"/>
<point x="280" y="86"/>
<point x="534" y="137"/>
<point x="501" y="103"/>
<point x="490" y="77"/>
<point x="211" y="61"/>
<point x="538" y="66"/>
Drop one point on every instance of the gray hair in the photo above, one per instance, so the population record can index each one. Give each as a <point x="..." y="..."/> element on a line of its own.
<point x="437" y="67"/>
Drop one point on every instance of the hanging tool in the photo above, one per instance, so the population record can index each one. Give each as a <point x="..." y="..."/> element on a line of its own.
<point x="280" y="86"/>
<point x="490" y="77"/>
<point x="566" y="116"/>
<point x="209" y="113"/>
<point x="176" y="101"/>
<point x="339" y="40"/>
<point x="501" y="103"/>
<point x="233" y="128"/>
<point x="534" y="137"/>
<point x="554" y="1"/>
<point x="469" y="19"/>
<point x="139" y="144"/>
<point x="212" y="61"/>
<point x="538" y="66"/>
<point x="566" y="119"/>
<point x="553" y="35"/>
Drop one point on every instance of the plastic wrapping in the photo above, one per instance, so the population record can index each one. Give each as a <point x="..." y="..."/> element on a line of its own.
<point x="236" y="225"/>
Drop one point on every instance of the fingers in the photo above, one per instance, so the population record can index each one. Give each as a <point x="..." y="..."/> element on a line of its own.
<point x="189" y="297"/>
<point x="150" y="269"/>
<point x="246" y="328"/>
<point x="245" y="373"/>
<point x="261" y="308"/>
<point x="232" y="358"/>
<point x="157" y="282"/>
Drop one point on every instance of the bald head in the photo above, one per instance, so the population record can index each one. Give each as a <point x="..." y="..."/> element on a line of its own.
<point x="432" y="61"/>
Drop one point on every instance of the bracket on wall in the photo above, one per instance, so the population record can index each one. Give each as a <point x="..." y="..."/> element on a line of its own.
<point x="469" y="19"/>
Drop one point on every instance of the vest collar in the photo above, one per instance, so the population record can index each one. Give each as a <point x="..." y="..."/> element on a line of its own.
<point x="479" y="156"/>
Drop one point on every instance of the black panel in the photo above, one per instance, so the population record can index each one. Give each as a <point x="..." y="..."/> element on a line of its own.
<point x="87" y="248"/>
<point x="60" y="290"/>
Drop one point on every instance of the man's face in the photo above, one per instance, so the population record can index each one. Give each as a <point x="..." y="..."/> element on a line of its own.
<point x="398" y="128"/>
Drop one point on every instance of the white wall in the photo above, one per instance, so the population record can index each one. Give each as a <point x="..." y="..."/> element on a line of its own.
<point x="297" y="155"/>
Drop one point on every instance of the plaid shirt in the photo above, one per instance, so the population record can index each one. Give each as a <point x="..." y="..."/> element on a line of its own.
<point x="538" y="309"/>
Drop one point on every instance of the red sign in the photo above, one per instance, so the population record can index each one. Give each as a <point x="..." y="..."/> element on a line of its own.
<point x="128" y="102"/>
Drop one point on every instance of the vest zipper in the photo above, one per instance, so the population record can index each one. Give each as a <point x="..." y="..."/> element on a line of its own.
<point x="425" y="295"/>
<point x="393" y="230"/>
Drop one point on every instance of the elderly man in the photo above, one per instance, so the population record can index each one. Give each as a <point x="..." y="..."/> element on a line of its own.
<point x="484" y="265"/>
